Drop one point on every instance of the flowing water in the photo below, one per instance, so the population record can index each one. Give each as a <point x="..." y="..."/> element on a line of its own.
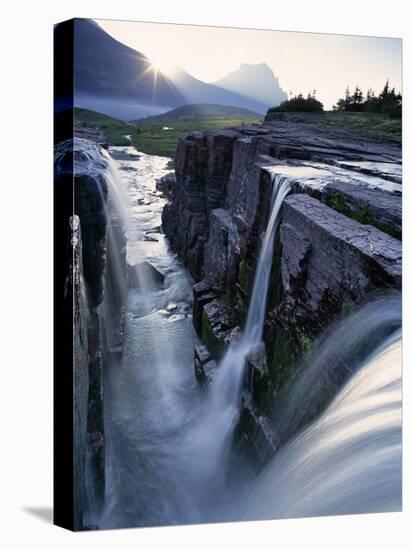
<point x="348" y="461"/>
<point x="168" y="442"/>
<point x="214" y="430"/>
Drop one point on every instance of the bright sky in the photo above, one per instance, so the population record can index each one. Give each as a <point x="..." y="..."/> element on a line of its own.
<point x="302" y="61"/>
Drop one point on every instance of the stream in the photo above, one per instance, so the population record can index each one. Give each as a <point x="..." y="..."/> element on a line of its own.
<point x="152" y="400"/>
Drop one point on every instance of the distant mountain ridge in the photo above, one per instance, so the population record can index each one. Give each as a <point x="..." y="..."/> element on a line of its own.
<point x="258" y="82"/>
<point x="121" y="82"/>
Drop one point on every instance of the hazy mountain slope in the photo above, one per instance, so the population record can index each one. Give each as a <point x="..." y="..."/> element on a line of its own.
<point x="256" y="81"/>
<point x="196" y="91"/>
<point x="203" y="110"/>
<point x="119" y="81"/>
<point x="116" y="79"/>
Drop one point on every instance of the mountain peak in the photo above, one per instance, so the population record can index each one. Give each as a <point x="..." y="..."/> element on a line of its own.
<point x="256" y="80"/>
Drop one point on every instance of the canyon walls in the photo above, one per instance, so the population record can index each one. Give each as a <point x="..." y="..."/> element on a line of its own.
<point x="338" y="244"/>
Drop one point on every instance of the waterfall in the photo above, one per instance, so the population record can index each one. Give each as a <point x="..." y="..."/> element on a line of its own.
<point x="339" y="353"/>
<point x="256" y="314"/>
<point x="101" y="219"/>
<point x="222" y="407"/>
<point x="93" y="165"/>
<point x="350" y="459"/>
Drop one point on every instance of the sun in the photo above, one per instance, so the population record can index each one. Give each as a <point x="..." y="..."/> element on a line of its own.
<point x="163" y="64"/>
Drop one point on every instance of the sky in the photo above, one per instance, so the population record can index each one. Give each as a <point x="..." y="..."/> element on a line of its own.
<point x="302" y="61"/>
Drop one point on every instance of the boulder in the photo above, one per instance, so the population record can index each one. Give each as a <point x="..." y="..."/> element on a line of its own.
<point x="166" y="184"/>
<point x="218" y="323"/>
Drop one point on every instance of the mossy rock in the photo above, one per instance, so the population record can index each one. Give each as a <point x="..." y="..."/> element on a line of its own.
<point x="209" y="338"/>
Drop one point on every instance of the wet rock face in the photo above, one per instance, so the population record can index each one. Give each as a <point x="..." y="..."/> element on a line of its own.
<point x="255" y="437"/>
<point x="221" y="252"/>
<point x="205" y="366"/>
<point x="329" y="260"/>
<point x="90" y="197"/>
<point x="203" y="293"/>
<point x="219" y="326"/>
<point x="203" y="165"/>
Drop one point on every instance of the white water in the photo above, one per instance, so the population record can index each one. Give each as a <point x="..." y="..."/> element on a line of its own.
<point x="167" y="445"/>
<point x="348" y="461"/>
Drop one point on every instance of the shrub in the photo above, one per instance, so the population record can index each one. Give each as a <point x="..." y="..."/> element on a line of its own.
<point x="299" y="103"/>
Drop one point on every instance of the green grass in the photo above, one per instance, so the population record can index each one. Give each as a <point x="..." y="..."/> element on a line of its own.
<point x="372" y="126"/>
<point x="149" y="136"/>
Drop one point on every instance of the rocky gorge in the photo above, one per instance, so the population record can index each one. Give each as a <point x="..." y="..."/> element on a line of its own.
<point x="338" y="244"/>
<point x="163" y="322"/>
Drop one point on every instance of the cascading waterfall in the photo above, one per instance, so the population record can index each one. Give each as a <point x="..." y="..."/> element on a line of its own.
<point x="338" y="354"/>
<point x="103" y="219"/>
<point x="350" y="459"/>
<point x="215" y="429"/>
<point x="95" y="163"/>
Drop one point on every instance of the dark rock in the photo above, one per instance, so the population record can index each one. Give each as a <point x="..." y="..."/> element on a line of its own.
<point x="221" y="253"/>
<point x="218" y="321"/>
<point x="256" y="358"/>
<point x="166" y="184"/>
<point x="203" y="293"/>
<point x="257" y="373"/>
<point x="203" y="165"/>
<point x="329" y="260"/>
<point x="80" y="365"/>
<point x="255" y="436"/>
<point x="91" y="134"/>
<point x="144" y="276"/>
<point x="90" y="197"/>
<point x="205" y="366"/>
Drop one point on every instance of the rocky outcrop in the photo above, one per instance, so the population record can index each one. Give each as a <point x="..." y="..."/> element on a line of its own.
<point x="203" y="166"/>
<point x="205" y="366"/>
<point x="330" y="262"/>
<point x="366" y="205"/>
<point x="338" y="242"/>
<point x="166" y="184"/>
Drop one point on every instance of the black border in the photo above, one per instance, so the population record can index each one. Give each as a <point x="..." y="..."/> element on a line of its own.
<point x="63" y="208"/>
